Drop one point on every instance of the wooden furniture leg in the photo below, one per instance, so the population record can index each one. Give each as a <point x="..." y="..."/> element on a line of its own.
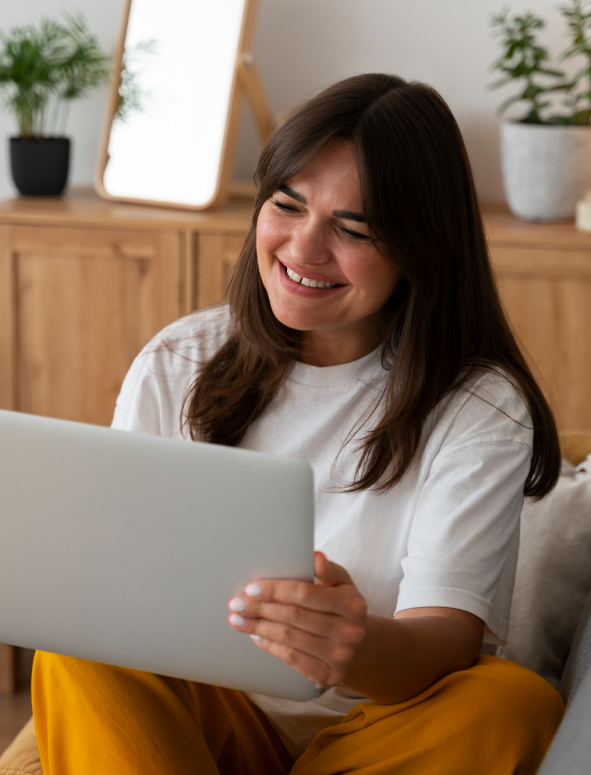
<point x="7" y="669"/>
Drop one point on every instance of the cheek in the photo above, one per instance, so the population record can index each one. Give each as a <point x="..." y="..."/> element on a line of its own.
<point x="377" y="276"/>
<point x="264" y="248"/>
<point x="379" y="283"/>
<point x="270" y="235"/>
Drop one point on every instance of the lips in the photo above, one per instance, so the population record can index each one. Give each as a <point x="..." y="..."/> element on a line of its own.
<point x="309" y="279"/>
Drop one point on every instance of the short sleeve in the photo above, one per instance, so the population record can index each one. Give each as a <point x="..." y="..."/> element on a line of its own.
<point x="151" y="396"/>
<point x="464" y="539"/>
<point x="153" y="392"/>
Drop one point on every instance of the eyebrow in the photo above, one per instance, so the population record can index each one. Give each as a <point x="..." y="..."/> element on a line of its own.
<point x="348" y="215"/>
<point x="293" y="194"/>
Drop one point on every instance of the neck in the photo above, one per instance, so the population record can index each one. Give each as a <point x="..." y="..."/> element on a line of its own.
<point x="320" y="348"/>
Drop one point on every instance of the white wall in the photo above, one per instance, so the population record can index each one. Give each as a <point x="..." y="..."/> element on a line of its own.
<point x="303" y="45"/>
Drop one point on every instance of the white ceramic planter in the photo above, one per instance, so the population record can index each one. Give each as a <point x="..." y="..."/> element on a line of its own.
<point x="546" y="169"/>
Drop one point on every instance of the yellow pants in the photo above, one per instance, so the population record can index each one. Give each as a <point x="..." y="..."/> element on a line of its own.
<point x="494" y="719"/>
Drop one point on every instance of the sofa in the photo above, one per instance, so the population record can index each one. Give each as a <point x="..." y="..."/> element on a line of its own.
<point x="550" y="624"/>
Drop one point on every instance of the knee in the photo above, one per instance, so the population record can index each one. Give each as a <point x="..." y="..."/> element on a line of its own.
<point x="516" y="692"/>
<point x="519" y="708"/>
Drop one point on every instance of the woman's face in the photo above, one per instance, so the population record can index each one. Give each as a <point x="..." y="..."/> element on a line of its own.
<point x="323" y="273"/>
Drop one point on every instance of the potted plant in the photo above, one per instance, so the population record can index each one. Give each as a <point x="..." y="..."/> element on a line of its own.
<point x="42" y="70"/>
<point x="546" y="154"/>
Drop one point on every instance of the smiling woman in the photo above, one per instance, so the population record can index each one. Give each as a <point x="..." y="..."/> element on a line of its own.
<point x="364" y="334"/>
<point x="306" y="241"/>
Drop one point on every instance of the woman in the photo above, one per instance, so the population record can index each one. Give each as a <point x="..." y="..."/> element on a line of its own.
<point x="364" y="334"/>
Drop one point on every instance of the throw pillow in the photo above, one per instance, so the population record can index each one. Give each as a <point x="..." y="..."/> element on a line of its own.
<point x="553" y="575"/>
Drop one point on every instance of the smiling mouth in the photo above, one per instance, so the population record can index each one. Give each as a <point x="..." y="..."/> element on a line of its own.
<point x="296" y="278"/>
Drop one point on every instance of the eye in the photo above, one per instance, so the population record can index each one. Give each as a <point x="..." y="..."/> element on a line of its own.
<point x="284" y="207"/>
<point x="355" y="235"/>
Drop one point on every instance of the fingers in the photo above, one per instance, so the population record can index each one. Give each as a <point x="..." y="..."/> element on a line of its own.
<point x="337" y="649"/>
<point x="325" y="666"/>
<point x="310" y="621"/>
<point x="314" y="628"/>
<point x="313" y="597"/>
<point x="320" y="646"/>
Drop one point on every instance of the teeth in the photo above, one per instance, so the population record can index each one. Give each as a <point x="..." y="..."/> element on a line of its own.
<point x="305" y="281"/>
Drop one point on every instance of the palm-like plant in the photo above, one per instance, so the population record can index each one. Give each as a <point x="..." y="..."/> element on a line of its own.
<point x="42" y="69"/>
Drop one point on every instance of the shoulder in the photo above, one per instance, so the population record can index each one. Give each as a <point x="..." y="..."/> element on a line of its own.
<point x="186" y="343"/>
<point x="154" y="388"/>
<point x="487" y="408"/>
<point x="199" y="334"/>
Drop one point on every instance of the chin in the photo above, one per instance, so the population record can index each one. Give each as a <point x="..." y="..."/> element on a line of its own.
<point x="291" y="321"/>
<point x="290" y="318"/>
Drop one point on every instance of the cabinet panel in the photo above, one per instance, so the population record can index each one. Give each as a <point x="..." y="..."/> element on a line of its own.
<point x="85" y="303"/>
<point x="547" y="296"/>
<point x="216" y="256"/>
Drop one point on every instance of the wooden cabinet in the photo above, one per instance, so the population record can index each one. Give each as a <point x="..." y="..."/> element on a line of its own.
<point x="82" y="303"/>
<point x="544" y="277"/>
<point x="84" y="284"/>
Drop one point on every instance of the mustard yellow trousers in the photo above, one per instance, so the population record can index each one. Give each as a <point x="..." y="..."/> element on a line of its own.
<point x="494" y="719"/>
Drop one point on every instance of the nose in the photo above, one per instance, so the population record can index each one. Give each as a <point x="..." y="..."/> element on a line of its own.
<point x="309" y="244"/>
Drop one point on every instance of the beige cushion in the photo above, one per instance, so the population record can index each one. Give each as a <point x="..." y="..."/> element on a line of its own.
<point x="22" y="755"/>
<point x="553" y="576"/>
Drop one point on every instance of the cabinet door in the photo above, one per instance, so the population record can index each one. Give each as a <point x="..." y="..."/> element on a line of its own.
<point x="216" y="256"/>
<point x="547" y="296"/>
<point x="76" y="306"/>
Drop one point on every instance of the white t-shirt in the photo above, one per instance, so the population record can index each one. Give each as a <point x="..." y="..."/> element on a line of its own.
<point x="446" y="535"/>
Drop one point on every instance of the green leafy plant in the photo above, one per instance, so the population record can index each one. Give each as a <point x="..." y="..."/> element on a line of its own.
<point x="43" y="69"/>
<point x="579" y="88"/>
<point x="525" y="60"/>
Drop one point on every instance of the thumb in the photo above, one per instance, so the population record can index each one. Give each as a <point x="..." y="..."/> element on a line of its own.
<point x="329" y="573"/>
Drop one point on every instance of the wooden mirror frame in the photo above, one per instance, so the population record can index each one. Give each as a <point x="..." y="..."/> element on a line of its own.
<point x="246" y="83"/>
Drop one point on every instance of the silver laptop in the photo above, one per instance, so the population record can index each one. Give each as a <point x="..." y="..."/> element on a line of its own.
<point x="123" y="548"/>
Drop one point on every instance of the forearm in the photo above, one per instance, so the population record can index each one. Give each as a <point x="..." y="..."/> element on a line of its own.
<point x="401" y="657"/>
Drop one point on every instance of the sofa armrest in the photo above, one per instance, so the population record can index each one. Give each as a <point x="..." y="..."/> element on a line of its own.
<point x="570" y="751"/>
<point x="579" y="658"/>
<point x="22" y="755"/>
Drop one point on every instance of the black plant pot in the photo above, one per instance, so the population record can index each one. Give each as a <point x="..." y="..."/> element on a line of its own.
<point x="40" y="164"/>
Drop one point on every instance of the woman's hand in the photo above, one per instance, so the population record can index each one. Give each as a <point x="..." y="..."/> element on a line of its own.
<point x="315" y="628"/>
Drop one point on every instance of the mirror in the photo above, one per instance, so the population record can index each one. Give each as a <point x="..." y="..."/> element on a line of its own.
<point x="174" y="109"/>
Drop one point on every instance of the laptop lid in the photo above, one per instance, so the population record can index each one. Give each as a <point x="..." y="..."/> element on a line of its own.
<point x="125" y="549"/>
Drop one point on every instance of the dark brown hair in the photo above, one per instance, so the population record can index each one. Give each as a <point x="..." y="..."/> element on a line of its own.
<point x="445" y="319"/>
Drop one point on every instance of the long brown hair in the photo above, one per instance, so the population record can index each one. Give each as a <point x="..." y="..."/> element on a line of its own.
<point x="445" y="320"/>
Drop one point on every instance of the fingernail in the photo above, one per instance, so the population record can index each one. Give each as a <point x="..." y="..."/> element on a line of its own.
<point x="253" y="590"/>
<point x="255" y="637"/>
<point x="237" y="621"/>
<point x="237" y="604"/>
